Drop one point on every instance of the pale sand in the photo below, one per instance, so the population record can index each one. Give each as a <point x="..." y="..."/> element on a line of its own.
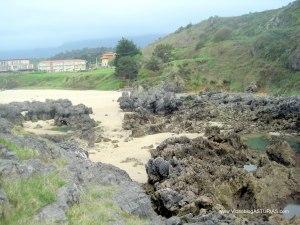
<point x="41" y="127"/>
<point x="106" y="110"/>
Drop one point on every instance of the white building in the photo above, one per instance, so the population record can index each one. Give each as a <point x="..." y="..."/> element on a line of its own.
<point x="62" y="65"/>
<point x="15" y="65"/>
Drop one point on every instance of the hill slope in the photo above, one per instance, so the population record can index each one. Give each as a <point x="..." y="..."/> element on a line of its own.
<point x="231" y="53"/>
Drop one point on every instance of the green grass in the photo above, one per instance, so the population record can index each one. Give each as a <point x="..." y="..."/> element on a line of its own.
<point x="96" y="208"/>
<point x="26" y="196"/>
<point x="21" y="153"/>
<point x="99" y="79"/>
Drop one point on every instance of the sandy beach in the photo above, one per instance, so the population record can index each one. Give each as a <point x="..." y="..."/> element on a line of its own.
<point x="129" y="154"/>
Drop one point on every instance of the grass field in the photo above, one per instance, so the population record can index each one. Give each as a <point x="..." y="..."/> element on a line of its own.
<point x="99" y="79"/>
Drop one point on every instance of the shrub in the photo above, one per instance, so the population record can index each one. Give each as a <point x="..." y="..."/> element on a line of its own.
<point x="274" y="45"/>
<point x="153" y="64"/>
<point x="222" y="34"/>
<point x="163" y="52"/>
<point x="127" y="68"/>
<point x="200" y="45"/>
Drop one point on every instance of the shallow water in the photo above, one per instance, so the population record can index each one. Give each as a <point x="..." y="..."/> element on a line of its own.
<point x="291" y="211"/>
<point x="260" y="142"/>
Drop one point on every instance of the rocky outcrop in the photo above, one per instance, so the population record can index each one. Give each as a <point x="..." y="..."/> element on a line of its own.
<point x="69" y="161"/>
<point x="281" y="152"/>
<point x="193" y="176"/>
<point x="155" y="100"/>
<point x="76" y="117"/>
<point x="239" y="111"/>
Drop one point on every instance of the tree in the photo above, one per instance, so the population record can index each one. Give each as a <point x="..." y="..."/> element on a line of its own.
<point x="127" y="67"/>
<point x="153" y="63"/>
<point x="126" y="47"/>
<point x="164" y="52"/>
<point x="126" y="60"/>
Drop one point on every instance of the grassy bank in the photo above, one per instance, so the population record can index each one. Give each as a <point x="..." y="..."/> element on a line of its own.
<point x="231" y="53"/>
<point x="99" y="79"/>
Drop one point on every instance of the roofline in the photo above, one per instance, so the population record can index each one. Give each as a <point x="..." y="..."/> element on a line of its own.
<point x="63" y="60"/>
<point x="13" y="59"/>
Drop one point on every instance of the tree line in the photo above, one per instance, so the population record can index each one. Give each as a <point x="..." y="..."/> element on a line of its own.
<point x="128" y="59"/>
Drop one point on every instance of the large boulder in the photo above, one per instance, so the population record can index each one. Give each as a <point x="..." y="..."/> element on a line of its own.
<point x="157" y="169"/>
<point x="281" y="152"/>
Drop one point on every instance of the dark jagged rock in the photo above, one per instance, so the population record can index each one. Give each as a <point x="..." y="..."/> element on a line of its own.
<point x="242" y="112"/>
<point x="155" y="100"/>
<point x="208" y="174"/>
<point x="158" y="169"/>
<point x="76" y="169"/>
<point x="62" y="111"/>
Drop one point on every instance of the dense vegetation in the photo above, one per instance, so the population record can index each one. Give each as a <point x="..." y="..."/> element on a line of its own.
<point x="91" y="55"/>
<point x="231" y="53"/>
<point x="126" y="61"/>
<point x="100" y="79"/>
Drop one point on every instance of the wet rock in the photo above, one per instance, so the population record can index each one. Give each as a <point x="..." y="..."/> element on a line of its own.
<point x="281" y="152"/>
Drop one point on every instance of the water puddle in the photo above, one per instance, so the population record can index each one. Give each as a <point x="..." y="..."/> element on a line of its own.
<point x="250" y="167"/>
<point x="260" y="142"/>
<point x="291" y="210"/>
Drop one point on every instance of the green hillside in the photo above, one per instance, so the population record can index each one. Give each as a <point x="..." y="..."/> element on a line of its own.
<point x="231" y="53"/>
<point x="100" y="79"/>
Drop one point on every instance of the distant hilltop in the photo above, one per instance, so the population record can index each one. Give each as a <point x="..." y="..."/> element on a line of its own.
<point x="141" y="41"/>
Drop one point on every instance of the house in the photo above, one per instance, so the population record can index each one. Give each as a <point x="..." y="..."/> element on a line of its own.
<point x="106" y="58"/>
<point x="62" y="65"/>
<point x="15" y="65"/>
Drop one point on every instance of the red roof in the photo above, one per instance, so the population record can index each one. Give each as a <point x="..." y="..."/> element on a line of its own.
<point x="108" y="55"/>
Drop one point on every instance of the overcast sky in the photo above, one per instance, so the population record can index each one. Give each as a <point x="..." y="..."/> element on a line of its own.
<point x="26" y="24"/>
